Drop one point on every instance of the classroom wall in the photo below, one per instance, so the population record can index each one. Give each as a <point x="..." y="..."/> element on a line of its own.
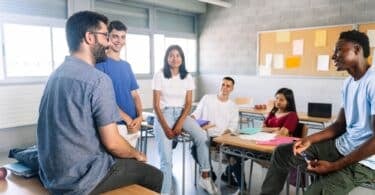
<point x="228" y="44"/>
<point x="19" y="112"/>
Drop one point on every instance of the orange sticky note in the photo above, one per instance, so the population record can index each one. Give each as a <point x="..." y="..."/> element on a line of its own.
<point x="292" y="62"/>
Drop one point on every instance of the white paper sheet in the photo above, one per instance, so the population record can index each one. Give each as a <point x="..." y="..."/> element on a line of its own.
<point x="264" y="70"/>
<point x="322" y="63"/>
<point x="260" y="136"/>
<point x="268" y="59"/>
<point x="278" y="61"/>
<point x="298" y="47"/>
<point x="371" y="37"/>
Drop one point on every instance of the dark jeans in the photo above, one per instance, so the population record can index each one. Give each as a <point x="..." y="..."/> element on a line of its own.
<point x="130" y="171"/>
<point x="339" y="182"/>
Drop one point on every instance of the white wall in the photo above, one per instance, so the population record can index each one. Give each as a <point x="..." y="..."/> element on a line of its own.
<point x="19" y="104"/>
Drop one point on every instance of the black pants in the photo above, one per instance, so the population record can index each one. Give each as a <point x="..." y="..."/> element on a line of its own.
<point x="126" y="172"/>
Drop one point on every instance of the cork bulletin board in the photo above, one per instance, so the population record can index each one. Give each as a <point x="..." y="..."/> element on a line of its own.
<point x="369" y="29"/>
<point x="300" y="52"/>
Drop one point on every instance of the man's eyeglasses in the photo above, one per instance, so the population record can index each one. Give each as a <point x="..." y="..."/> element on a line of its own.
<point x="106" y="34"/>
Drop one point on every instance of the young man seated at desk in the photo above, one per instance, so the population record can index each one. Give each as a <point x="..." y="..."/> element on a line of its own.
<point x="220" y="111"/>
<point x="343" y="153"/>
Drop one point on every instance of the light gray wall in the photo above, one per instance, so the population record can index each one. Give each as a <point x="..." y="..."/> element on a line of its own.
<point x="228" y="44"/>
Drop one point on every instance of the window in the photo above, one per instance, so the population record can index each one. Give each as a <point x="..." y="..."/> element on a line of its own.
<point x="60" y="46"/>
<point x="27" y="50"/>
<point x="189" y="47"/>
<point x="31" y="50"/>
<point x="32" y="39"/>
<point x="151" y="29"/>
<point x="137" y="53"/>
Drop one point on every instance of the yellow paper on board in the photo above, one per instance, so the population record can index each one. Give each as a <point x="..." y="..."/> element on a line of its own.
<point x="283" y="37"/>
<point x="320" y="38"/>
<point x="293" y="62"/>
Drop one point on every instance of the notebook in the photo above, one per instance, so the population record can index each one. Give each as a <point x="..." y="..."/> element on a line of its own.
<point x="202" y="122"/>
<point x="278" y="140"/>
<point x="20" y="169"/>
<point x="250" y="130"/>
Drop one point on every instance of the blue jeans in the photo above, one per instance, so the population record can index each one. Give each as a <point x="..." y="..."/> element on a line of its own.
<point x="199" y="136"/>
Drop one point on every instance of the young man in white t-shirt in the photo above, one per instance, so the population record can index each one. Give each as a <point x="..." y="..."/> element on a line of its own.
<point x="222" y="114"/>
<point x="219" y="110"/>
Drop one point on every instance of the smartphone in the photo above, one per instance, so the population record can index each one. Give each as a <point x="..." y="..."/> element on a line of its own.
<point x="304" y="156"/>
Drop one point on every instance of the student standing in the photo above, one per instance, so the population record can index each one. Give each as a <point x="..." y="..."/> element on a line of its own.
<point x="343" y="153"/>
<point x="124" y="83"/>
<point x="172" y="99"/>
<point x="79" y="147"/>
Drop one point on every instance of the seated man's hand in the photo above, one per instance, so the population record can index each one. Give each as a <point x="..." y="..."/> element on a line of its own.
<point x="206" y="127"/>
<point x="141" y="157"/>
<point x="135" y="124"/>
<point x="227" y="131"/>
<point x="301" y="145"/>
<point x="321" y="166"/>
<point x="132" y="129"/>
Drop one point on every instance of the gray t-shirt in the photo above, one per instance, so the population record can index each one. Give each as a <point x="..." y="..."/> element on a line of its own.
<point x="76" y="101"/>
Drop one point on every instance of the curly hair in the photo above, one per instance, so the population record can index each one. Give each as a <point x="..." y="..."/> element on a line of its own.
<point x="359" y="38"/>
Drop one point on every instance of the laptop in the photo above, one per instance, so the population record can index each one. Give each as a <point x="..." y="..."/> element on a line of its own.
<point x="323" y="110"/>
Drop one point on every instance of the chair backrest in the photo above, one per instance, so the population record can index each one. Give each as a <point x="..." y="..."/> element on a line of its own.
<point x="301" y="130"/>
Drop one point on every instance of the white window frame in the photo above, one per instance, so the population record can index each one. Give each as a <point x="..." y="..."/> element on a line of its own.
<point x="24" y="20"/>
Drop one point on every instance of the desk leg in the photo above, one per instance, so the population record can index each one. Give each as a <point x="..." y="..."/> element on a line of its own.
<point x="220" y="168"/>
<point x="145" y="146"/>
<point x="242" y="173"/>
<point x="251" y="174"/>
<point x="140" y="141"/>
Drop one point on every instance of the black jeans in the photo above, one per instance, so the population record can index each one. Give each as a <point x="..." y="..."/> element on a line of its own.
<point x="126" y="172"/>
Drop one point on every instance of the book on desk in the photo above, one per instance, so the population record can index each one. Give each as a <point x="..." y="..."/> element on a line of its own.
<point x="264" y="138"/>
<point x="20" y="169"/>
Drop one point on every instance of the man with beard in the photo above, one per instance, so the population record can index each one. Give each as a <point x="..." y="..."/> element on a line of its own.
<point x="124" y="83"/>
<point x="80" y="149"/>
<point x="343" y="153"/>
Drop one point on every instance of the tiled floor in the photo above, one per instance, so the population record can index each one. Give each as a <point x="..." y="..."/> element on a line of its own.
<point x="190" y="188"/>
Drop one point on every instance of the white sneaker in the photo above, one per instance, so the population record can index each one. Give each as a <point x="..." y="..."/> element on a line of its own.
<point x="208" y="185"/>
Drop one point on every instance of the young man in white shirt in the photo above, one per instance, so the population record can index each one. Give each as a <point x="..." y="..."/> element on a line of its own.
<point x="219" y="110"/>
<point x="222" y="114"/>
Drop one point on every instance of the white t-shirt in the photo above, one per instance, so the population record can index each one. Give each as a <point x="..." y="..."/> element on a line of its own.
<point x="173" y="90"/>
<point x="224" y="115"/>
